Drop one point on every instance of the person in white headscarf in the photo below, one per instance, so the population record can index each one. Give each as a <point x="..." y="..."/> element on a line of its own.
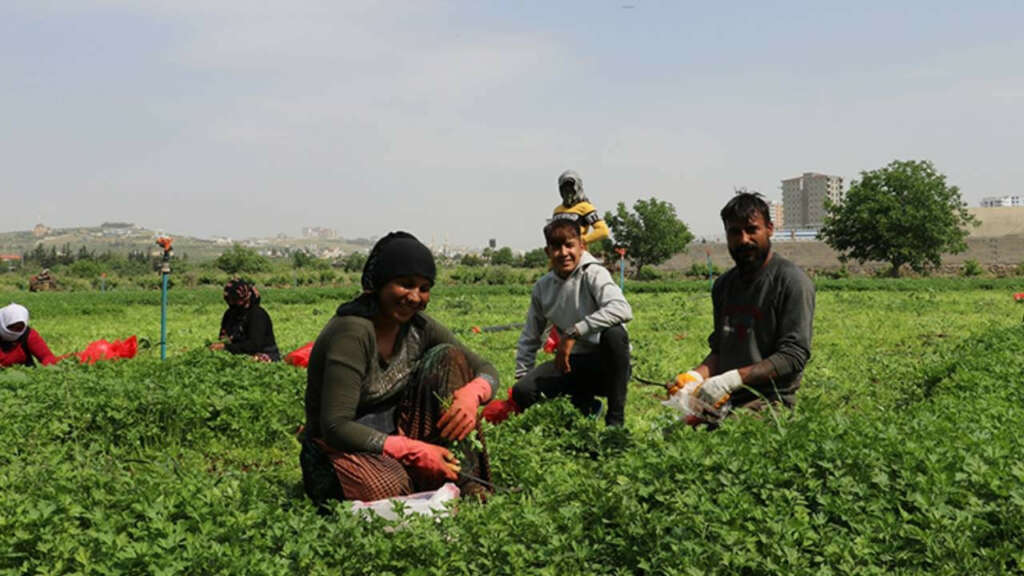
<point x="20" y="344"/>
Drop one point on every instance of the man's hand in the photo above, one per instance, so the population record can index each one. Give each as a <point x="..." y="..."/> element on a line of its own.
<point x="715" y="391"/>
<point x="686" y="383"/>
<point x="217" y="346"/>
<point x="562" y="354"/>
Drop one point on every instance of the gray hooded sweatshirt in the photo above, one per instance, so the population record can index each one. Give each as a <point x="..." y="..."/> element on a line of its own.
<point x="588" y="300"/>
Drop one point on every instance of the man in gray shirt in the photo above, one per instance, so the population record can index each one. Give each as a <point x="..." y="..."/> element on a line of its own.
<point x="763" y="314"/>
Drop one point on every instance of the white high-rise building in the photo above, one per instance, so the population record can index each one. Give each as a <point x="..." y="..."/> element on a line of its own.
<point x="803" y="199"/>
<point x="1002" y="201"/>
<point x="777" y="213"/>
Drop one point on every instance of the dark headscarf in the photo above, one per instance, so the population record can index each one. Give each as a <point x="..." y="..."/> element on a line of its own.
<point x="393" y="256"/>
<point x="241" y="293"/>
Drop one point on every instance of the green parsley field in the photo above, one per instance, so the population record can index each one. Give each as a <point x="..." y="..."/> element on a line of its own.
<point x="904" y="454"/>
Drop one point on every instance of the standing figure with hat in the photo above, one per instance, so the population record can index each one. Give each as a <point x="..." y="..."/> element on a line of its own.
<point x="389" y="388"/>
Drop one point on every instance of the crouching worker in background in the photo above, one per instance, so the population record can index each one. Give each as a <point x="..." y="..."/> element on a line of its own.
<point x="245" y="327"/>
<point x="19" y="344"/>
<point x="388" y="386"/>
<point x="578" y="297"/>
<point x="763" y="312"/>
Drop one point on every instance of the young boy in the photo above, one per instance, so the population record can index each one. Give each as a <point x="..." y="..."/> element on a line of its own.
<point x="578" y="297"/>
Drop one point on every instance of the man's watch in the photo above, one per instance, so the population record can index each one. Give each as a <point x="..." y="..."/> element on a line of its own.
<point x="572" y="333"/>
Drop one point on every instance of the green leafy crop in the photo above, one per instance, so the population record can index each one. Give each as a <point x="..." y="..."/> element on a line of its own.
<point x="902" y="456"/>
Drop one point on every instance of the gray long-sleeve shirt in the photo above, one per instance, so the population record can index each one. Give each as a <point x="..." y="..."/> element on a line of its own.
<point x="767" y="317"/>
<point x="588" y="299"/>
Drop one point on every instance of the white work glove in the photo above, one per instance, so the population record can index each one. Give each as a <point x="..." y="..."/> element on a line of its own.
<point x="685" y="383"/>
<point x="715" y="391"/>
<point x="680" y="396"/>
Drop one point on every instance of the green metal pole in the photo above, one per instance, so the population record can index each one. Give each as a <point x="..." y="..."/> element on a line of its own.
<point x="622" y="273"/>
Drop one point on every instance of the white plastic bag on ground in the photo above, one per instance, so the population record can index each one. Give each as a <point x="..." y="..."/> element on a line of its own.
<point x="431" y="503"/>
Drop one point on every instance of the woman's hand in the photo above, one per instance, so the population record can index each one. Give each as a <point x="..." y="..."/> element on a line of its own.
<point x="460" y="418"/>
<point x="436" y="461"/>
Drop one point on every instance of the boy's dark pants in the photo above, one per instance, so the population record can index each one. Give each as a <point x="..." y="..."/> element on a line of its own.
<point x="601" y="373"/>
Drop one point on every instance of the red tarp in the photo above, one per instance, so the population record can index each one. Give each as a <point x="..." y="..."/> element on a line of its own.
<point x="300" y="356"/>
<point x="103" y="350"/>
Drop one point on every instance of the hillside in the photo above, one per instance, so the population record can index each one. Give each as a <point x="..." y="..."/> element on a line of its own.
<point x="122" y="238"/>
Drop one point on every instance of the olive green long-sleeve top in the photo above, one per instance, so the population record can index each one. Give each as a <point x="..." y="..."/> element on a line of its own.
<point x="348" y="379"/>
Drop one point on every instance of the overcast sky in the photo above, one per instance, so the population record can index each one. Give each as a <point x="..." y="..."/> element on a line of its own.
<point x="452" y="120"/>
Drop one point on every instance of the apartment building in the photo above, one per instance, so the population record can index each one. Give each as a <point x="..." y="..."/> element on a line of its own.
<point x="803" y="199"/>
<point x="778" y="214"/>
<point x="1002" y="201"/>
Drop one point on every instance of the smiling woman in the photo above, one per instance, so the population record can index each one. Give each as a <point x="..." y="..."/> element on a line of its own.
<point x="387" y="385"/>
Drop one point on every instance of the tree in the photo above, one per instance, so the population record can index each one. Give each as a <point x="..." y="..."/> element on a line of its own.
<point x="241" y="259"/>
<point x="355" y="261"/>
<point x="503" y="257"/>
<point x="536" y="258"/>
<point x="602" y="248"/>
<point x="303" y="259"/>
<point x="471" y="260"/>
<point x="651" y="234"/>
<point x="85" y="254"/>
<point x="904" y="213"/>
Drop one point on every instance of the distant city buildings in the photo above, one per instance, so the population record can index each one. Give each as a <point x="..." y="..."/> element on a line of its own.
<point x="40" y="231"/>
<point x="318" y="232"/>
<point x="803" y="199"/>
<point x="1002" y="201"/>
<point x="117" y="229"/>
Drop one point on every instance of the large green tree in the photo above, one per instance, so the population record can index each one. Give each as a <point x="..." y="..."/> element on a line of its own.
<point x="503" y="257"/>
<point x="239" y="259"/>
<point x="651" y="233"/>
<point x="904" y="213"/>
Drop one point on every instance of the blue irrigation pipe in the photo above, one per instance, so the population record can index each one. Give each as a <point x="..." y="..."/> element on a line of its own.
<point x="165" y="272"/>
<point x="622" y="273"/>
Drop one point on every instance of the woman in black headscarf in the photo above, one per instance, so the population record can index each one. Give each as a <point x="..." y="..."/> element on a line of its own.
<point x="389" y="388"/>
<point x="245" y="327"/>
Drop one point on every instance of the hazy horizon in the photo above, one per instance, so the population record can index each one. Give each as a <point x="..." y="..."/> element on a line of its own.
<point x="453" y="120"/>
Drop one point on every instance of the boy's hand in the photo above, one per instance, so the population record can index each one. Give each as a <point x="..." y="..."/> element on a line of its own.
<point x="562" y="354"/>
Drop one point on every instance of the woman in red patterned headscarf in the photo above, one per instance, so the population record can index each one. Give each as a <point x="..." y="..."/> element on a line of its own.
<point x="245" y="327"/>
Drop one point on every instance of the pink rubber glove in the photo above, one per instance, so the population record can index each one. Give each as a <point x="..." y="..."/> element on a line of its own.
<point x="435" y="462"/>
<point x="460" y="418"/>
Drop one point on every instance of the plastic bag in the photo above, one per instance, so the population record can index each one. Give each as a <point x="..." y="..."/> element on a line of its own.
<point x="431" y="503"/>
<point x="299" y="356"/>
<point x="552" y="342"/>
<point x="104" y="350"/>
<point x="694" y="411"/>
